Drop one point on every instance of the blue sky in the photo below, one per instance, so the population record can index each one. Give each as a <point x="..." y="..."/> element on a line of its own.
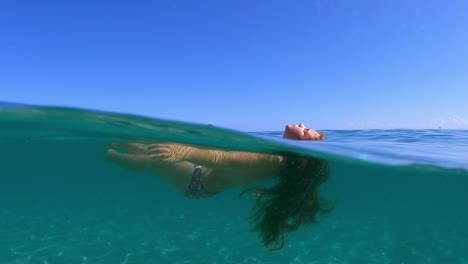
<point x="243" y="64"/>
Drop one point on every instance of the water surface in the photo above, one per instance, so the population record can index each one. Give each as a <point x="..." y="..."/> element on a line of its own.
<point x="400" y="195"/>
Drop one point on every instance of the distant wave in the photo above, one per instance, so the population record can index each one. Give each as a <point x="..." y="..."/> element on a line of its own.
<point x="12" y="105"/>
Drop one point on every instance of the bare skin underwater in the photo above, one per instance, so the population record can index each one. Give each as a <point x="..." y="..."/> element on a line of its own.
<point x="200" y="173"/>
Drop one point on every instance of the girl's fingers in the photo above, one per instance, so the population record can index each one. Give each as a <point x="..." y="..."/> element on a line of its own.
<point x="130" y="161"/>
<point x="132" y="148"/>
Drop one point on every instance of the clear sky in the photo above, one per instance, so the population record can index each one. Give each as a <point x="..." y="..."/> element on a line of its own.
<point x="245" y="64"/>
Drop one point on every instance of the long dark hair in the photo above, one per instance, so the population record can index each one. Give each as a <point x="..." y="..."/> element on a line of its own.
<point x="293" y="201"/>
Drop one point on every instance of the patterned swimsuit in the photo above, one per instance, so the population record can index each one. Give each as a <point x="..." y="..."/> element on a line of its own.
<point x="196" y="189"/>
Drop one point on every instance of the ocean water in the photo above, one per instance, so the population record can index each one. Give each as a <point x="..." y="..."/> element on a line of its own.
<point x="401" y="195"/>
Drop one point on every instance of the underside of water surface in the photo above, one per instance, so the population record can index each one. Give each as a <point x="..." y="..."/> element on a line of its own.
<point x="400" y="195"/>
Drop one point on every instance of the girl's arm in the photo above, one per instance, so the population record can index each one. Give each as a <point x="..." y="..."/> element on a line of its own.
<point x="212" y="158"/>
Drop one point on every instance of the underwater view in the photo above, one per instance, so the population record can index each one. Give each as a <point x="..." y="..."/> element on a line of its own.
<point x="389" y="196"/>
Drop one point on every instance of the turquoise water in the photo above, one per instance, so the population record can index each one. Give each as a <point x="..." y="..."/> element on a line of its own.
<point x="401" y="195"/>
